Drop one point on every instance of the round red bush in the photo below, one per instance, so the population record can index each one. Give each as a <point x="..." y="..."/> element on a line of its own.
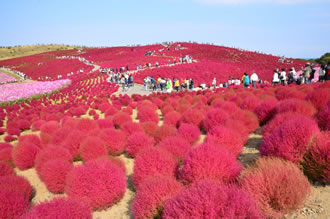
<point x="36" y="125"/>
<point x="316" y="161"/>
<point x="147" y="114"/>
<point x="99" y="183"/>
<point x="105" y="123"/>
<point x="151" y="196"/>
<point x="120" y="118"/>
<point x="115" y="141"/>
<point x="278" y="120"/>
<point x="60" y="208"/>
<point x="239" y="127"/>
<point x="163" y="132"/>
<point x="10" y="138"/>
<point x="86" y="125"/>
<point x="290" y="140"/>
<point x="47" y="130"/>
<point x="249" y="103"/>
<point x="24" y="154"/>
<point x="323" y="118"/>
<point x="5" y="169"/>
<point x="51" y="153"/>
<point x="193" y="116"/>
<point x="13" y="204"/>
<point x="92" y="148"/>
<point x="153" y="161"/>
<point x="248" y="118"/>
<point x="150" y="128"/>
<point x="60" y="135"/>
<point x="209" y="162"/>
<point x="189" y="132"/>
<point x="208" y="199"/>
<point x="296" y="106"/>
<point x="53" y="174"/>
<point x="31" y="139"/>
<point x="2" y="130"/>
<point x="172" y="118"/>
<point x="166" y="109"/>
<point x="319" y="97"/>
<point x="131" y="127"/>
<point x="138" y="141"/>
<point x="265" y="110"/>
<point x="225" y="138"/>
<point x="278" y="187"/>
<point x="213" y="118"/>
<point x="72" y="142"/>
<point x="17" y="183"/>
<point x="176" y="145"/>
<point x="6" y="155"/>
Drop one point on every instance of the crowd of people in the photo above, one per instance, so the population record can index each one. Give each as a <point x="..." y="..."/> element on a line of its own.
<point x="168" y="85"/>
<point x="124" y="79"/>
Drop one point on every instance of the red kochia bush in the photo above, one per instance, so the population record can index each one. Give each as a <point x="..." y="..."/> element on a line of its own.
<point x="36" y="125"/>
<point x="10" y="138"/>
<point x="53" y="174"/>
<point x="323" y="118"/>
<point x="17" y="183"/>
<point x="138" y="141"/>
<point x="115" y="141"/>
<point x="5" y="169"/>
<point x="193" y="116"/>
<point x="278" y="187"/>
<point x="208" y="199"/>
<point x="6" y="155"/>
<point x="225" y="138"/>
<point x="290" y="140"/>
<point x="316" y="161"/>
<point x="248" y="118"/>
<point x="100" y="183"/>
<point x="172" y="118"/>
<point x="209" y="162"/>
<point x="214" y="118"/>
<point x="13" y="204"/>
<point x="153" y="161"/>
<point x="176" y="145"/>
<point x="296" y="106"/>
<point x="120" y="118"/>
<point x="319" y="97"/>
<point x="265" y="110"/>
<point x="24" y="154"/>
<point x="92" y="148"/>
<point x="151" y="196"/>
<point x="60" y="208"/>
<point x="163" y="132"/>
<point x="189" y="132"/>
<point x="146" y="114"/>
<point x="131" y="127"/>
<point x="86" y="125"/>
<point x="105" y="123"/>
<point x="51" y="153"/>
<point x="278" y="120"/>
<point x="47" y="130"/>
<point x="72" y="142"/>
<point x="249" y="103"/>
<point x="150" y="128"/>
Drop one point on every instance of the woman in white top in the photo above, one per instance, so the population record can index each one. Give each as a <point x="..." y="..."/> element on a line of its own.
<point x="283" y="77"/>
<point x="276" y="79"/>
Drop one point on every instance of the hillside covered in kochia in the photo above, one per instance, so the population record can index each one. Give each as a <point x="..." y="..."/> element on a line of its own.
<point x="209" y="61"/>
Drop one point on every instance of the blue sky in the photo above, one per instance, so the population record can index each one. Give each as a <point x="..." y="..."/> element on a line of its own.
<point x="294" y="28"/>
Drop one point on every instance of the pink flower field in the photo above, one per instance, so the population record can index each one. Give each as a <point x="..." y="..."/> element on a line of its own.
<point x="6" y="78"/>
<point x="10" y="92"/>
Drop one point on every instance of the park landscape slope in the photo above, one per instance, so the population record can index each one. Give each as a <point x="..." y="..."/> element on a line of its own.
<point x="221" y="153"/>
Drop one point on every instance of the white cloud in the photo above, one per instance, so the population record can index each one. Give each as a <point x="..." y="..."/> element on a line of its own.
<point x="245" y="2"/>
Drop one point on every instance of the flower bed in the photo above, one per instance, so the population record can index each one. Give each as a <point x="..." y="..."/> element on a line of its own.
<point x="11" y="92"/>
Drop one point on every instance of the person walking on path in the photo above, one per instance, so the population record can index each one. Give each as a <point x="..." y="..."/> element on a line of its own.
<point x="254" y="79"/>
<point x="214" y="83"/>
